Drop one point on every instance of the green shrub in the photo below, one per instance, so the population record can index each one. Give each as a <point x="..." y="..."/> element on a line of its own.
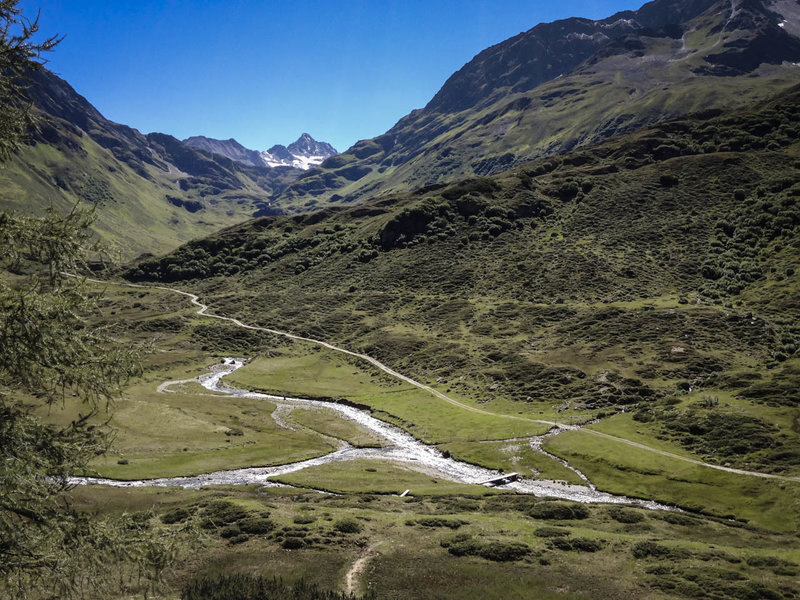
<point x="625" y="516"/>
<point x="650" y="548"/>
<point x="504" y="551"/>
<point x="256" y="525"/>
<point x="577" y="544"/>
<point x="239" y="539"/>
<point x="769" y="562"/>
<point x="176" y="515"/>
<point x="230" y="531"/>
<point x="676" y="518"/>
<point x="479" y="185"/>
<point x="293" y="543"/>
<point x="347" y="525"/>
<point x="497" y="551"/>
<point x="753" y="590"/>
<point x="558" y="511"/>
<point x="665" y="151"/>
<point x="456" y="539"/>
<point x="405" y="226"/>
<point x="568" y="189"/>
<point x="550" y="532"/>
<point x="220" y="512"/>
<point x="437" y="522"/>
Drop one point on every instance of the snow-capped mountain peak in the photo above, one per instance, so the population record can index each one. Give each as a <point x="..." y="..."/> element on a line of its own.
<point x="308" y="146"/>
<point x="304" y="153"/>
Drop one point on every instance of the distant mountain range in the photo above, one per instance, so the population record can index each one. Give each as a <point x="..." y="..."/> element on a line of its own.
<point x="304" y="153"/>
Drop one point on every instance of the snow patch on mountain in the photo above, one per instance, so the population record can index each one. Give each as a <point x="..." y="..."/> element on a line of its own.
<point x="299" y="162"/>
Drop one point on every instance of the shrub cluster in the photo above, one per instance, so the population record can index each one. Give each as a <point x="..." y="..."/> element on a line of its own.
<point x="745" y="235"/>
<point x="498" y="551"/>
<point x="437" y="522"/>
<point x="577" y="544"/>
<point x="549" y="532"/>
<point x="226" y="337"/>
<point x="623" y="515"/>
<point x="559" y="511"/>
<point x="706" y="429"/>
<point x="649" y="548"/>
<point x="175" y="515"/>
<point x="234" y="523"/>
<point x="347" y="525"/>
<point x="96" y="191"/>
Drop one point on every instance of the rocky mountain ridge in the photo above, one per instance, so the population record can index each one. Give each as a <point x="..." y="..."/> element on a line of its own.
<point x="569" y="84"/>
<point x="304" y="153"/>
<point x="229" y="148"/>
<point x="556" y="87"/>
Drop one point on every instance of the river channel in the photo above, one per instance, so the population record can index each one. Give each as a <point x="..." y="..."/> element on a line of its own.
<point x="398" y="446"/>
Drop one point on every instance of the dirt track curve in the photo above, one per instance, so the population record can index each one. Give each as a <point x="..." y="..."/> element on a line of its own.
<point x="203" y="308"/>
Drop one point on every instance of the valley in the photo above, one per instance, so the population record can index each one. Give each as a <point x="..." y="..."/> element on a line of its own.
<point x="417" y="309"/>
<point x="540" y="339"/>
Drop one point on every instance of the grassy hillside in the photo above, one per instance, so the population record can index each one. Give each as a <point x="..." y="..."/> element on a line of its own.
<point x="150" y="193"/>
<point x="450" y="546"/>
<point x="452" y="541"/>
<point x="134" y="213"/>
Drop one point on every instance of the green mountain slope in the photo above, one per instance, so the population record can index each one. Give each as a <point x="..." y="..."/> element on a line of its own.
<point x="654" y="271"/>
<point x="570" y="84"/>
<point x="151" y="193"/>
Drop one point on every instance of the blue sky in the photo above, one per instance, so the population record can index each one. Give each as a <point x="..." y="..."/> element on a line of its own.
<point x="264" y="72"/>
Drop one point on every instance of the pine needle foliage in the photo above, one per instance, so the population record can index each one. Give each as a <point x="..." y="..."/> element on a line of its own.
<point x="50" y="352"/>
<point x="19" y="55"/>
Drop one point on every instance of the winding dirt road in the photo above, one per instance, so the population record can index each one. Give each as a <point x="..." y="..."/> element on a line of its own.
<point x="203" y="311"/>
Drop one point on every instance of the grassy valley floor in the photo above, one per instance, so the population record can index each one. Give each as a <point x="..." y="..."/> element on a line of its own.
<point x="736" y="540"/>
